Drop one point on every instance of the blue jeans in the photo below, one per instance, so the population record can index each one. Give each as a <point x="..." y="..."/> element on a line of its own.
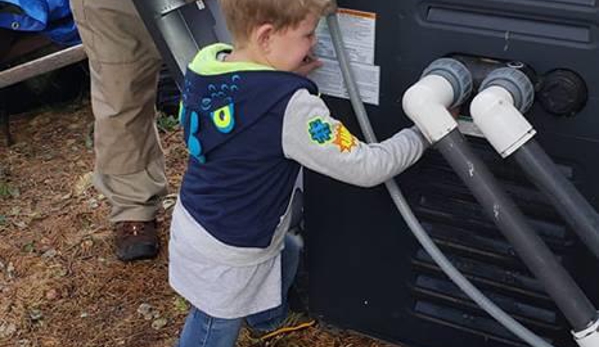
<point x="202" y="330"/>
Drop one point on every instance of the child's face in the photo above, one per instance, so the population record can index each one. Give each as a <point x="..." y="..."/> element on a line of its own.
<point x="290" y="47"/>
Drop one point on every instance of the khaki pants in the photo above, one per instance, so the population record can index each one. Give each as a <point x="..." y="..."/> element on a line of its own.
<point x="124" y="66"/>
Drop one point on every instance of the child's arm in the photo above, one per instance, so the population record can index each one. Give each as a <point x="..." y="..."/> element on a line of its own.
<point x="321" y="143"/>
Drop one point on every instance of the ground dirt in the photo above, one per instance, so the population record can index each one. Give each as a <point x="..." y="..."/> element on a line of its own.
<point x="60" y="283"/>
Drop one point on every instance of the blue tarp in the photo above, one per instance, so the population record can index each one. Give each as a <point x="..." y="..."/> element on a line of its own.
<point x="52" y="18"/>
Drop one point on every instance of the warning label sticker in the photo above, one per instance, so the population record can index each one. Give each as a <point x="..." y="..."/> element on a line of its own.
<point x="330" y="81"/>
<point x="358" y="29"/>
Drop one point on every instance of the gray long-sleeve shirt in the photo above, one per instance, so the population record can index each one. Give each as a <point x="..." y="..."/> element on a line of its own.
<point x="232" y="282"/>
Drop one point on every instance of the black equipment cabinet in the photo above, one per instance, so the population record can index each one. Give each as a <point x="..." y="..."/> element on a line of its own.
<point x="366" y="270"/>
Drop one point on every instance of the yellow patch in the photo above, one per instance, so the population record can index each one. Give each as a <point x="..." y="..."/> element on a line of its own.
<point x="223" y="118"/>
<point x="344" y="139"/>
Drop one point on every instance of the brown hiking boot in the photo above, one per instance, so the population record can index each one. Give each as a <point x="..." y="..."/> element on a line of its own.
<point x="136" y="240"/>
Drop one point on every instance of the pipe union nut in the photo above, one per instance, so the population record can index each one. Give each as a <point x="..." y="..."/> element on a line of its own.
<point x="514" y="81"/>
<point x="456" y="74"/>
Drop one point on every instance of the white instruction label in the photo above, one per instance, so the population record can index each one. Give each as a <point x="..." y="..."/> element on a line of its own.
<point x="330" y="81"/>
<point x="358" y="29"/>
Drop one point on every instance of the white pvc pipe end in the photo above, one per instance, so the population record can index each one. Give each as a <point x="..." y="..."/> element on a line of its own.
<point x="426" y="103"/>
<point x="588" y="337"/>
<point x="502" y="124"/>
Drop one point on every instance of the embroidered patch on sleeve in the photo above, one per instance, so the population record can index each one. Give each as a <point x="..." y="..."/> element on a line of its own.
<point x="344" y="139"/>
<point x="320" y="131"/>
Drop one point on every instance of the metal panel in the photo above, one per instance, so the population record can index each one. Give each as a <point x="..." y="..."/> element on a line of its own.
<point x="366" y="270"/>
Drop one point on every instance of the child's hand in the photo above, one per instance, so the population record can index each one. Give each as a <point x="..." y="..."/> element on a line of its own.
<point x="309" y="64"/>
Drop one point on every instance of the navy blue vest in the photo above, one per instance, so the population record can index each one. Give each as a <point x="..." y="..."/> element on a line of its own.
<point x="238" y="182"/>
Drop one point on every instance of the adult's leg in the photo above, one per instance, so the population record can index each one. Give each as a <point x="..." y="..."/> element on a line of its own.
<point x="129" y="170"/>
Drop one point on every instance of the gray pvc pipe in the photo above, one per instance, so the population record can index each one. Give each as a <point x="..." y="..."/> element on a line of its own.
<point x="568" y="201"/>
<point x="425" y="241"/>
<point x="573" y="303"/>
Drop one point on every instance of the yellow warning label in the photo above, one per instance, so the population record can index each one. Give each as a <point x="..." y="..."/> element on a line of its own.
<point x="357" y="13"/>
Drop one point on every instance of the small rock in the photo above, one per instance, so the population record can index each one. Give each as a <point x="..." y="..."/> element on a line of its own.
<point x="66" y="197"/>
<point x="159" y="323"/>
<point x="93" y="203"/>
<point x="84" y="315"/>
<point x="87" y="245"/>
<point x="36" y="315"/>
<point x="146" y="310"/>
<point x="20" y="224"/>
<point x="10" y="270"/>
<point x="59" y="271"/>
<point x="7" y="330"/>
<point x="49" y="254"/>
<point x="36" y="215"/>
<point x="52" y="294"/>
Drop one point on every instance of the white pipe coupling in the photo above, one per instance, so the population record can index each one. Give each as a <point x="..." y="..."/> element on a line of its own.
<point x="426" y="103"/>
<point x="588" y="337"/>
<point x="494" y="113"/>
<point x="445" y="83"/>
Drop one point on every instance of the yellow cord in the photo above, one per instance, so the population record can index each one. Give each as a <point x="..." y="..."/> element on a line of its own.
<point x="287" y="330"/>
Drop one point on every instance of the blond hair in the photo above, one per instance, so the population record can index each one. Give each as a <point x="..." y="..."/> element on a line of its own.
<point x="243" y="16"/>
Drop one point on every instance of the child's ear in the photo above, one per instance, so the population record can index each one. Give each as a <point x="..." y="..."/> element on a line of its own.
<point x="263" y="35"/>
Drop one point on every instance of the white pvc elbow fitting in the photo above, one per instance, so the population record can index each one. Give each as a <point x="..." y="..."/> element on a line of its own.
<point x="588" y="337"/>
<point x="498" y="116"/>
<point x="445" y="83"/>
<point x="426" y="103"/>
